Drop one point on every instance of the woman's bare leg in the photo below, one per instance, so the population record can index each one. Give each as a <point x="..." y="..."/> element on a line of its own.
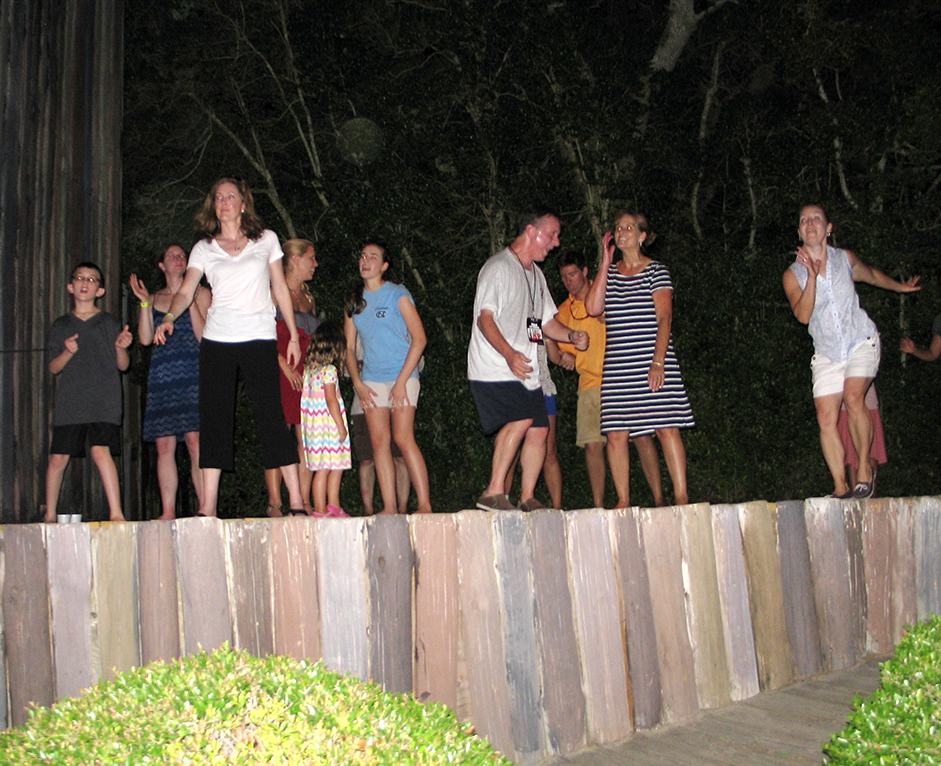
<point x="619" y="461"/>
<point x="403" y="428"/>
<point x="168" y="477"/>
<point x="674" y="455"/>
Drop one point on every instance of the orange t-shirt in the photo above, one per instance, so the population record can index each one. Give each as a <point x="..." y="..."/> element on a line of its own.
<point x="590" y="363"/>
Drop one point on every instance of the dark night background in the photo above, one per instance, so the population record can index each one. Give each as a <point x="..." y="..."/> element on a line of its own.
<point x="432" y="124"/>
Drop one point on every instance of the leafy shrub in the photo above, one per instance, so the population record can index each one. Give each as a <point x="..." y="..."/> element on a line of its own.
<point x="901" y="722"/>
<point x="231" y="708"/>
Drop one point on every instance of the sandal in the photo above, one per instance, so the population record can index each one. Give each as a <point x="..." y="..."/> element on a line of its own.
<point x="295" y="512"/>
<point x="274" y="511"/>
<point x="337" y="513"/>
<point x="844" y="496"/>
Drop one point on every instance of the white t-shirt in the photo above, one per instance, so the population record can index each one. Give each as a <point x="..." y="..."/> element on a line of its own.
<point x="242" y="308"/>
<point x="512" y="294"/>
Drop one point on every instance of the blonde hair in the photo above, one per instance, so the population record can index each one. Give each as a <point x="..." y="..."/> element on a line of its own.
<point x="294" y="248"/>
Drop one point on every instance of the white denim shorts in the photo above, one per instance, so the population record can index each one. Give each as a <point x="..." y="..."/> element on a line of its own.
<point x="863" y="362"/>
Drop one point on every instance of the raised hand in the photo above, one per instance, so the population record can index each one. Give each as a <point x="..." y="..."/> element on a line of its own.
<point x="137" y="287"/>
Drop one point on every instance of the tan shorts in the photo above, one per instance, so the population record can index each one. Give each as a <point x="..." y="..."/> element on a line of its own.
<point x="383" y="397"/>
<point x="588" y="418"/>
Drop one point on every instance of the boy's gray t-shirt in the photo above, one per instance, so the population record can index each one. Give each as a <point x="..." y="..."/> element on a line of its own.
<point x="88" y="389"/>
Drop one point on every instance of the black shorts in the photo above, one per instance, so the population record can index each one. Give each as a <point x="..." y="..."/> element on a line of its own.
<point x="362" y="444"/>
<point x="72" y="439"/>
<point x="506" y="402"/>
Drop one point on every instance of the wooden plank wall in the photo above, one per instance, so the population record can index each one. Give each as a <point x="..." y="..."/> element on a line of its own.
<point x="61" y="170"/>
<point x="548" y="631"/>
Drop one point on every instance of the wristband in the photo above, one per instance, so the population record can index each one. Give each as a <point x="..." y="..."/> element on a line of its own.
<point x="656" y="364"/>
<point x="145" y="304"/>
<point x="169" y="315"/>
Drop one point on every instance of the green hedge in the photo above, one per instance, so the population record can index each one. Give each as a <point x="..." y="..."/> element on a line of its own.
<point x="901" y="722"/>
<point x="231" y="708"/>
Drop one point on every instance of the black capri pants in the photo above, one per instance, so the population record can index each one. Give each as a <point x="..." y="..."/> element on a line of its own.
<point x="219" y="365"/>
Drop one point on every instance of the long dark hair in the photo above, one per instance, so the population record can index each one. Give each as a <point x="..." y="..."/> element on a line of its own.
<point x="355" y="303"/>
<point x="327" y="346"/>
<point x="208" y="225"/>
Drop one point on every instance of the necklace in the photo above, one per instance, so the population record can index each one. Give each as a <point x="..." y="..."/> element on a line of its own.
<point x="531" y="290"/>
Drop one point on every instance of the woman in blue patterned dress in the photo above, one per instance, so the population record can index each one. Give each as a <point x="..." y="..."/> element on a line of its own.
<point x="642" y="390"/>
<point x="172" y="412"/>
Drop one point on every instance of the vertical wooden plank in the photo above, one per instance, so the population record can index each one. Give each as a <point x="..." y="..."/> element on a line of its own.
<point x="766" y="595"/>
<point x="114" y="561"/>
<point x="881" y="546"/>
<point x="437" y="608"/>
<point x="295" y="588"/>
<point x="511" y="547"/>
<point x="800" y="609"/>
<point x="201" y="573"/>
<point x="563" y="699"/>
<point x="662" y="530"/>
<point x="905" y="610"/>
<point x="927" y="546"/>
<point x="642" y="663"/>
<point x="30" y="675"/>
<point x="487" y="698"/>
<point x="389" y="564"/>
<point x="598" y="620"/>
<point x="713" y="684"/>
<point x="249" y="568"/>
<point x="72" y="614"/>
<point x="4" y="708"/>
<point x="159" y="599"/>
<point x="853" y="526"/>
<point x="830" y="568"/>
<point x="734" y="607"/>
<point x="344" y="592"/>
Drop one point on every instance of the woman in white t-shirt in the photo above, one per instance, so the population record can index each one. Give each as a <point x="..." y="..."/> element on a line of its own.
<point x="383" y="316"/>
<point x="241" y="261"/>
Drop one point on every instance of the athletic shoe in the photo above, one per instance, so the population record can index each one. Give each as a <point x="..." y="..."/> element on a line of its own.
<point x="495" y="503"/>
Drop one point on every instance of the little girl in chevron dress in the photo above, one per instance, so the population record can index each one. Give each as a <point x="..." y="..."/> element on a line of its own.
<point x="323" y="419"/>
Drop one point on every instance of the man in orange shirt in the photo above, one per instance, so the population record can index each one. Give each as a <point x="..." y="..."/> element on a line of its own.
<point x="589" y="364"/>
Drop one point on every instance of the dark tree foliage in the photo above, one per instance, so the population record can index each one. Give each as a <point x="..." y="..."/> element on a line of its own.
<point x="432" y="124"/>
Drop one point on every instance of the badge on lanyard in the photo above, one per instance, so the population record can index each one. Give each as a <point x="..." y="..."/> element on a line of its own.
<point x="534" y="330"/>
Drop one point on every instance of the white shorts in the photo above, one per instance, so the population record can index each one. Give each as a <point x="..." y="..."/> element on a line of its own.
<point x="383" y="397"/>
<point x="863" y="362"/>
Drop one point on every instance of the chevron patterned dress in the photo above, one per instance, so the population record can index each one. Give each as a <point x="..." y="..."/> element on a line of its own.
<point x="173" y="383"/>
<point x="323" y="449"/>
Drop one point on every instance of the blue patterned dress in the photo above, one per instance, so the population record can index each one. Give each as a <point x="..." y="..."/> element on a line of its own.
<point x="173" y="384"/>
<point x="627" y="403"/>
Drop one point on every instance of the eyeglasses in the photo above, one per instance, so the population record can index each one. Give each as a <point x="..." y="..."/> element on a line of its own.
<point x="89" y="280"/>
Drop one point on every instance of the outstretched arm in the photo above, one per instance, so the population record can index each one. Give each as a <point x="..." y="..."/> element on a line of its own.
<point x="929" y="354"/>
<point x="869" y="275"/>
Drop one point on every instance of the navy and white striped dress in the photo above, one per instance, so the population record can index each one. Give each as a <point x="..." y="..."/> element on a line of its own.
<point x="627" y="403"/>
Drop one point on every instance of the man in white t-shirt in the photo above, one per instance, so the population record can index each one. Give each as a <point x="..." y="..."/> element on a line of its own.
<point x="513" y="311"/>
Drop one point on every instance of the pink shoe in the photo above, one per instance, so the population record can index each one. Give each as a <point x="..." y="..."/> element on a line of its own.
<point x="337" y="513"/>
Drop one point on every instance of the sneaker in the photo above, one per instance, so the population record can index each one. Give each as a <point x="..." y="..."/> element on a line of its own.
<point x="844" y="496"/>
<point x="863" y="489"/>
<point x="495" y="503"/>
<point x="532" y="505"/>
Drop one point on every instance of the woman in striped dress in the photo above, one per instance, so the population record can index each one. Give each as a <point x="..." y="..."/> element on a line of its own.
<point x="642" y="390"/>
